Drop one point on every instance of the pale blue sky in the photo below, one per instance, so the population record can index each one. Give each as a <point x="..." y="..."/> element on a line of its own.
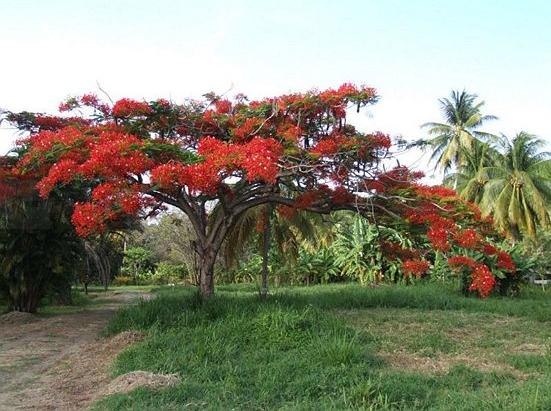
<point x="413" y="52"/>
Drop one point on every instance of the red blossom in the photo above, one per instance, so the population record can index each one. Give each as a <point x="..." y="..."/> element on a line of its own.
<point x="127" y="107"/>
<point x="88" y="219"/>
<point x="399" y="177"/>
<point x="505" y="261"/>
<point x="468" y="238"/>
<point x="61" y="172"/>
<point x="415" y="267"/>
<point x="246" y="130"/>
<point x="438" y="237"/>
<point x="168" y="175"/>
<point x="489" y="249"/>
<point x="261" y="157"/>
<point x="223" y="106"/>
<point x="289" y="132"/>
<point x="461" y="261"/>
<point x="482" y="280"/>
<point x="380" y="141"/>
<point x="434" y="191"/>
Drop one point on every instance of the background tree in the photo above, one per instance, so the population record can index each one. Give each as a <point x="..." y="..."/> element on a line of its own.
<point x="39" y="250"/>
<point x="518" y="192"/>
<point x="450" y="140"/>
<point x="471" y="176"/>
<point x="170" y="238"/>
<point x="286" y="230"/>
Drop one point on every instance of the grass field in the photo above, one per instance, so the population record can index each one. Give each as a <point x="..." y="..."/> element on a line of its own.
<point x="341" y="347"/>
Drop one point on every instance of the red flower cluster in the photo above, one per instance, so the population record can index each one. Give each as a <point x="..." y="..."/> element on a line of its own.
<point x="434" y="191"/>
<point x="61" y="172"/>
<point x="505" y="261"/>
<point x="92" y="153"/>
<point x="461" y="261"/>
<point x="88" y="219"/>
<point x="261" y="159"/>
<point x="127" y="107"/>
<point x="169" y="175"/>
<point x="415" y="267"/>
<point x="223" y="106"/>
<point x="289" y="132"/>
<point x="482" y="280"/>
<point x="340" y="195"/>
<point x="247" y="129"/>
<point x="109" y="202"/>
<point x="468" y="238"/>
<point x="258" y="159"/>
<point x="116" y="154"/>
<point x="380" y="141"/>
<point x="330" y="145"/>
<point x="439" y="231"/>
<point x="399" y="177"/>
<point x="489" y="249"/>
<point x="396" y="251"/>
<point x="86" y="100"/>
<point x="375" y="185"/>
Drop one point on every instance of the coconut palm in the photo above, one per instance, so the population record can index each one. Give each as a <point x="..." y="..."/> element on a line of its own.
<point x="450" y="139"/>
<point x="471" y="177"/>
<point x="518" y="190"/>
<point x="263" y="225"/>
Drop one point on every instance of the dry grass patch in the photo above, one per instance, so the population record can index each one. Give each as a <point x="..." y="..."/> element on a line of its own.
<point x="141" y="379"/>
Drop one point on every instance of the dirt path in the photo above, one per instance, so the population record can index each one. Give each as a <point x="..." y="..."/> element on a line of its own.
<point x="60" y="362"/>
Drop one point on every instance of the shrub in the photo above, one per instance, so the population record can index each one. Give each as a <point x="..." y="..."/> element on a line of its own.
<point x="123" y="280"/>
<point x="167" y="273"/>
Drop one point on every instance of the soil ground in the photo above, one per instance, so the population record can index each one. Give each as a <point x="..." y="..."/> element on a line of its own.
<point x="59" y="361"/>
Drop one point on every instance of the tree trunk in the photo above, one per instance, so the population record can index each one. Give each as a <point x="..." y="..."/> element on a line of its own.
<point x="206" y="273"/>
<point x="26" y="296"/>
<point x="266" y="244"/>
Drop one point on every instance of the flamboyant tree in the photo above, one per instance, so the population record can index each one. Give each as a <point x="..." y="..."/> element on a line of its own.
<point x="295" y="151"/>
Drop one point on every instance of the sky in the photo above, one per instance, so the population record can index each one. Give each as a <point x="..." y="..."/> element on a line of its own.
<point x="413" y="52"/>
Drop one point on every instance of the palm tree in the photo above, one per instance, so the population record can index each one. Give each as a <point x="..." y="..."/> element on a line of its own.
<point x="471" y="177"/>
<point x="518" y="191"/>
<point x="287" y="234"/>
<point x="451" y="139"/>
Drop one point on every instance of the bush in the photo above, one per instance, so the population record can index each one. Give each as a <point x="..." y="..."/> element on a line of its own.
<point x="167" y="273"/>
<point x="123" y="280"/>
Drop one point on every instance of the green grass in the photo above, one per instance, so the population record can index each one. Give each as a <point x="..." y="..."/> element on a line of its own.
<point x="340" y="347"/>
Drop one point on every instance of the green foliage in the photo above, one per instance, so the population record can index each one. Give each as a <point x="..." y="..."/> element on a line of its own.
<point x="137" y="261"/>
<point x="167" y="273"/>
<point x="357" y="252"/>
<point x="39" y="252"/>
<point x="121" y="280"/>
<point x="168" y="240"/>
<point x="316" y="267"/>
<point x="138" y="269"/>
<point x="358" y="255"/>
